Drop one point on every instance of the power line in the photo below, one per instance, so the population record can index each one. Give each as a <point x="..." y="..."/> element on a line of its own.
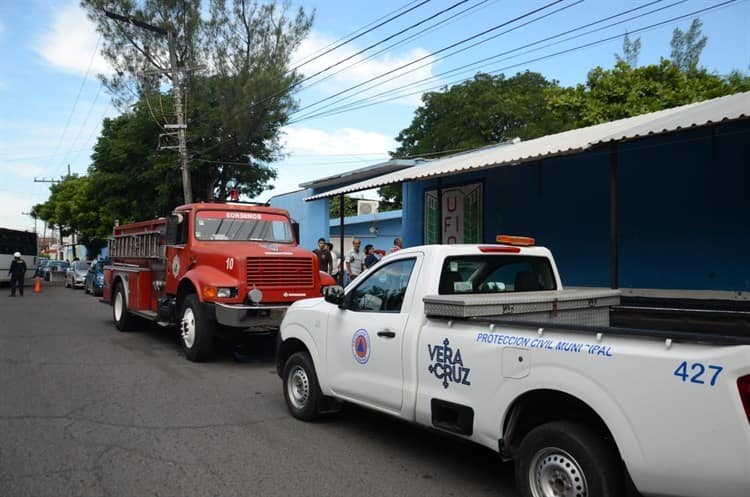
<point x="349" y="107"/>
<point x="349" y="40"/>
<point x="388" y="38"/>
<point x="75" y="103"/>
<point x="449" y="20"/>
<point x="355" y="32"/>
<point x="360" y="52"/>
<point x="450" y="54"/>
<point x="319" y="112"/>
<point x="453" y="45"/>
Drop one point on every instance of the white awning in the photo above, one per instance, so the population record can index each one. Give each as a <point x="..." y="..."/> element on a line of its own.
<point x="695" y="115"/>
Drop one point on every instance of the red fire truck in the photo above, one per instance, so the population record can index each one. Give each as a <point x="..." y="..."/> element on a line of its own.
<point x="209" y="267"/>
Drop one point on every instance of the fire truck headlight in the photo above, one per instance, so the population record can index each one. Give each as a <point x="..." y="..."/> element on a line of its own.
<point x="225" y="293"/>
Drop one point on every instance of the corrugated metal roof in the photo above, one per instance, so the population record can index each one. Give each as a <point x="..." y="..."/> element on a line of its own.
<point x="728" y="108"/>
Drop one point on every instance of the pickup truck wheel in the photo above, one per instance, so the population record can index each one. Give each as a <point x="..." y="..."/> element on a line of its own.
<point x="122" y="318"/>
<point x="196" y="331"/>
<point x="564" y="459"/>
<point x="301" y="389"/>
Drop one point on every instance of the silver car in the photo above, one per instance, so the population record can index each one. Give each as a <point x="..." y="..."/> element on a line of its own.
<point x="75" y="277"/>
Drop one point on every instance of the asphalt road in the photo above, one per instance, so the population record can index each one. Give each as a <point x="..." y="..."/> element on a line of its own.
<point x="88" y="411"/>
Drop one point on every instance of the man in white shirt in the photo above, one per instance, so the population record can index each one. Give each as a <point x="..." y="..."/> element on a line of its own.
<point x="355" y="261"/>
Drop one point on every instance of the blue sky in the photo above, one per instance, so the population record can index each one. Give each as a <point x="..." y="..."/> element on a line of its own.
<point x="51" y="103"/>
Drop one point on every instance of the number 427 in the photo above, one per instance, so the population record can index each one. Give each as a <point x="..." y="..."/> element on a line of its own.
<point x="696" y="372"/>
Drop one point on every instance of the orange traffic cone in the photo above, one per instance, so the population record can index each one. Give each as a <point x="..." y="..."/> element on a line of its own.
<point x="38" y="285"/>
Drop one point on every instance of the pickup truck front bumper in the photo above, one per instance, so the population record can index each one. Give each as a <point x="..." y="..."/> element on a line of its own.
<point x="249" y="316"/>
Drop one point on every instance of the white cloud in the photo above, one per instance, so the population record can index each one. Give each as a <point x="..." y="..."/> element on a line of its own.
<point x="365" y="69"/>
<point x="71" y="41"/>
<point x="342" y="141"/>
<point x="323" y="153"/>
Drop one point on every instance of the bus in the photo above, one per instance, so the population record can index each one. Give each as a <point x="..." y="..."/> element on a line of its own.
<point x="12" y="241"/>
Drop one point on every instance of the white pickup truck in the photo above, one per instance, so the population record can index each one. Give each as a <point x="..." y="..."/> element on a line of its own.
<point x="483" y="342"/>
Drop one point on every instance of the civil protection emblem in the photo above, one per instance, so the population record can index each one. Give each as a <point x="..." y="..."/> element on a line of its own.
<point x="361" y="346"/>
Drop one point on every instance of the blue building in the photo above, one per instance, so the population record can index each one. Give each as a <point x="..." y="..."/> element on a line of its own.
<point x="653" y="204"/>
<point x="379" y="228"/>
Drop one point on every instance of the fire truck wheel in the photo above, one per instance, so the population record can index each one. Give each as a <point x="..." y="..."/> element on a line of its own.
<point x="123" y="319"/>
<point x="196" y="330"/>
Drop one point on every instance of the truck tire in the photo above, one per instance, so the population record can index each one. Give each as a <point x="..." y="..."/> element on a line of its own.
<point x="196" y="330"/>
<point x="301" y="389"/>
<point x="563" y="458"/>
<point x="122" y="318"/>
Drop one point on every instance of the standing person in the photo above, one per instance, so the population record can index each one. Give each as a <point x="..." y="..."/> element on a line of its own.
<point x="324" y="256"/>
<point x="335" y="261"/>
<point x="355" y="261"/>
<point x="397" y="245"/>
<point x="370" y="258"/>
<point x="17" y="272"/>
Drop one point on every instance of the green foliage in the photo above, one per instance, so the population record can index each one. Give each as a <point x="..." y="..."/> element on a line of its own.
<point x="391" y="197"/>
<point x="70" y="206"/>
<point x="236" y="104"/>
<point x="687" y="47"/>
<point x="334" y="207"/>
<point x="623" y="91"/>
<point x="483" y="111"/>
<point x="131" y="180"/>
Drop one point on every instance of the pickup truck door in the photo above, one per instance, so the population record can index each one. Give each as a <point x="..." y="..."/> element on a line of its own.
<point x="366" y="336"/>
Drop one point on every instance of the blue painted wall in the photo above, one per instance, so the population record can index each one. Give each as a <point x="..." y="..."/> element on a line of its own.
<point x="387" y="224"/>
<point x="684" y="221"/>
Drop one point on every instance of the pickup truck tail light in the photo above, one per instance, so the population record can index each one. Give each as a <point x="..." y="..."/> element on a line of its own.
<point x="744" y="386"/>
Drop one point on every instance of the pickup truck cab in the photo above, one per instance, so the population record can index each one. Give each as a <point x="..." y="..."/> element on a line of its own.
<point x="483" y="342"/>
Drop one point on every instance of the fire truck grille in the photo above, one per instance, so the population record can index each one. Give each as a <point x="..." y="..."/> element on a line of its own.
<point x="279" y="272"/>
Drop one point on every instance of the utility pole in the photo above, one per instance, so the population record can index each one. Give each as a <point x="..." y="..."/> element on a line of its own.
<point x="181" y="127"/>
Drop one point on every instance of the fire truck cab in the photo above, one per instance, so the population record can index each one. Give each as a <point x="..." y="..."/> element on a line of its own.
<point x="209" y="264"/>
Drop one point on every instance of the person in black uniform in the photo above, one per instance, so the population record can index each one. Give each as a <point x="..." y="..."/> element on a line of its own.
<point x="324" y="256"/>
<point x="17" y="274"/>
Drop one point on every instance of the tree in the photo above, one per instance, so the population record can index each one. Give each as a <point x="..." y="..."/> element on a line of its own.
<point x="630" y="51"/>
<point x="483" y="111"/>
<point x="687" y="47"/>
<point x="238" y="103"/>
<point x="623" y="91"/>
<point x="334" y="206"/>
<point x="69" y="206"/>
<point x="130" y="178"/>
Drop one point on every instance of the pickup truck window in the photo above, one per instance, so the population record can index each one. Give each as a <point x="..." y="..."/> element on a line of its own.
<point x="487" y="273"/>
<point x="242" y="226"/>
<point x="384" y="289"/>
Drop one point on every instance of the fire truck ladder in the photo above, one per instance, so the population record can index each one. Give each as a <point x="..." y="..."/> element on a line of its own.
<point x="137" y="246"/>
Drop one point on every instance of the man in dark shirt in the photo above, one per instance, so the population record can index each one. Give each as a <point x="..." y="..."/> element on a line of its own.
<point x="324" y="256"/>
<point x="17" y="272"/>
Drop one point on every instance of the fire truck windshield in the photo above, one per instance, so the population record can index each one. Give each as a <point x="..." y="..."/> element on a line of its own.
<point x="242" y="226"/>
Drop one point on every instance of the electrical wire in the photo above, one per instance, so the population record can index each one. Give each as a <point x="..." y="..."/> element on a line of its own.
<point x="75" y="103"/>
<point x="494" y="57"/>
<point x="349" y="40"/>
<point x="453" y="45"/>
<point x="443" y="23"/>
<point x="350" y="107"/>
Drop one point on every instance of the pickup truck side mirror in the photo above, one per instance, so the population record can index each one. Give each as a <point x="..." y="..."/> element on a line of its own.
<point x="334" y="294"/>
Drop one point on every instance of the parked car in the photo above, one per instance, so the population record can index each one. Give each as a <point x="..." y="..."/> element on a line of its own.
<point x="41" y="264"/>
<point x="95" y="278"/>
<point x="75" y="276"/>
<point x="53" y="269"/>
